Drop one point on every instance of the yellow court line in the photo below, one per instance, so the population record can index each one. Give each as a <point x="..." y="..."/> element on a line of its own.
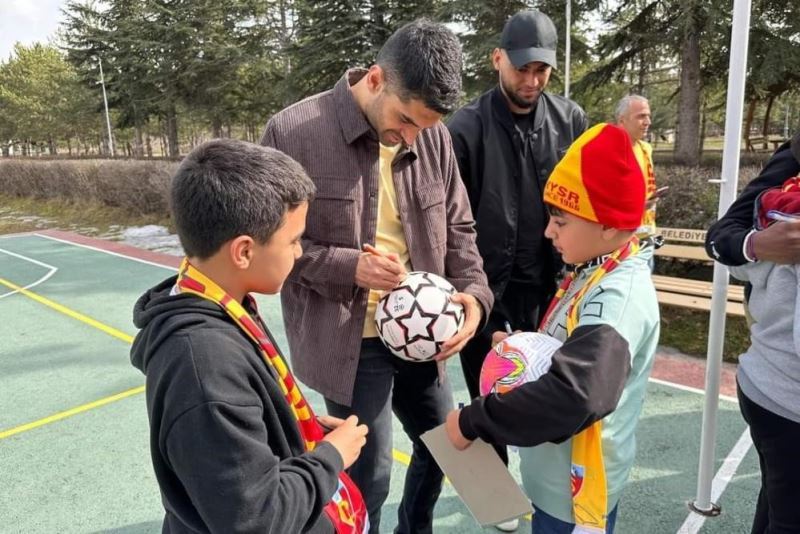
<point x="398" y="455"/>
<point x="401" y="457"/>
<point x="69" y="413"/>
<point x="68" y="312"/>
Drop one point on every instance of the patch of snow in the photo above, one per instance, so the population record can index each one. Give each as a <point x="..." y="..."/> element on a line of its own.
<point x="152" y="237"/>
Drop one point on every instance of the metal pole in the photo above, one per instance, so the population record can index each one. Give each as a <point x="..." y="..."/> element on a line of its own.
<point x="727" y="194"/>
<point x="568" y="44"/>
<point x="105" y="103"/>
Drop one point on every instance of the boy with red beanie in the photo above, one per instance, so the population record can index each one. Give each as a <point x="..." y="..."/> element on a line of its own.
<point x="579" y="419"/>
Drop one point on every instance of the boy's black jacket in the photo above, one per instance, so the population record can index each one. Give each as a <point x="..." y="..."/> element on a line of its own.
<point x="225" y="446"/>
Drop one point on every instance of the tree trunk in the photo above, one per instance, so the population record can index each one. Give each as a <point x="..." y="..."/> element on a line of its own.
<point x="162" y="140"/>
<point x="687" y="135"/>
<point x="641" y="74"/>
<point x="148" y="146"/>
<point x="748" y="122"/>
<point x="69" y="146"/>
<point x="138" y="144"/>
<point x="51" y="145"/>
<point x="703" y="117"/>
<point x="765" y="128"/>
<point x="216" y="127"/>
<point x="172" y="132"/>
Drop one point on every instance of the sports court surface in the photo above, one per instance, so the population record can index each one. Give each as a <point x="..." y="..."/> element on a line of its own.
<point x="73" y="427"/>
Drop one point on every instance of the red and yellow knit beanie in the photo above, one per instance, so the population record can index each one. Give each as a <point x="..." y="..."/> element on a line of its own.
<point x="599" y="179"/>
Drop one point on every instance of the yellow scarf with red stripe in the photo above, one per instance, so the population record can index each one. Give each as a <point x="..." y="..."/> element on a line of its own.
<point x="588" y="474"/>
<point x="346" y="510"/>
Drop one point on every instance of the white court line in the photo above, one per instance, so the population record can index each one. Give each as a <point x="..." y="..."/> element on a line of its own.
<point x="51" y="271"/>
<point x="722" y="478"/>
<point x="691" y="389"/>
<point x="18" y="234"/>
<point x="107" y="252"/>
<point x="695" y="521"/>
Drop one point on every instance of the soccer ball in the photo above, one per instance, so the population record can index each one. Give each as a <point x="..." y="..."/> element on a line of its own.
<point x="517" y="360"/>
<point x="416" y="317"/>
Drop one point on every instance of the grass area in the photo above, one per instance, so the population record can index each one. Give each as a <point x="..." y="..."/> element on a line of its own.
<point x="22" y="214"/>
<point x="687" y="331"/>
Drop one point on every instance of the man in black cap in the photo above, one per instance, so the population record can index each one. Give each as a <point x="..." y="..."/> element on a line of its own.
<point x="507" y="142"/>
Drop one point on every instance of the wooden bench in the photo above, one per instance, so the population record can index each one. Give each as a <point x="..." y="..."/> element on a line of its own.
<point x="687" y="244"/>
<point x="764" y="142"/>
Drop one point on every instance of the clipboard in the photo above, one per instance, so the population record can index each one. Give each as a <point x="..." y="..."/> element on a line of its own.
<point x="479" y="477"/>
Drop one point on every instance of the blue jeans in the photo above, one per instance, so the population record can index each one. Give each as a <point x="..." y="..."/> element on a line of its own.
<point x="386" y="384"/>
<point x="544" y="523"/>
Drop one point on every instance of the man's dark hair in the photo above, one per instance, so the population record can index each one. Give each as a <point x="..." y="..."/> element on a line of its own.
<point x="226" y="188"/>
<point x="422" y="60"/>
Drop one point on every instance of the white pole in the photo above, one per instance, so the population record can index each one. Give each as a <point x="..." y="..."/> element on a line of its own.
<point x="730" y="177"/>
<point x="567" y="48"/>
<point x="105" y="103"/>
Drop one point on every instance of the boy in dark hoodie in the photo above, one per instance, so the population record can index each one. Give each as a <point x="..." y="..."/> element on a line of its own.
<point x="234" y="445"/>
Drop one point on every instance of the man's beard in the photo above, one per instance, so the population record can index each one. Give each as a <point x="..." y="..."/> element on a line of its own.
<point x="517" y="100"/>
<point x="373" y="112"/>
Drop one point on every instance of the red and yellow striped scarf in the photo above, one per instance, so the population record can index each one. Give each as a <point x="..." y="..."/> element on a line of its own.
<point x="346" y="510"/>
<point x="588" y="474"/>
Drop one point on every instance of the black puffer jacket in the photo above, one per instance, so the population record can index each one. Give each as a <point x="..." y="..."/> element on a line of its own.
<point x="488" y="148"/>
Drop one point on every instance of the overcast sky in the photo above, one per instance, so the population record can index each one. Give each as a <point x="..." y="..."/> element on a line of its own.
<point x="27" y="21"/>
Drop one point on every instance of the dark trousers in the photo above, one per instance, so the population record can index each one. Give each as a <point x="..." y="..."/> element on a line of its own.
<point x="386" y="384"/>
<point x="522" y="306"/>
<point x="775" y="439"/>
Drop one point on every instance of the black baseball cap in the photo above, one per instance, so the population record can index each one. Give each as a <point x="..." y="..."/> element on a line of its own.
<point x="530" y="36"/>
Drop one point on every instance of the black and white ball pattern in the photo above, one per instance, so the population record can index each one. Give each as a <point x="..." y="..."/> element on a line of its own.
<point x="416" y="317"/>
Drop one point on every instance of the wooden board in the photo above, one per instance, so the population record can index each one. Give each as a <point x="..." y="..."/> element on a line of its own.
<point x="697" y="288"/>
<point x="697" y="303"/>
<point x="687" y="252"/>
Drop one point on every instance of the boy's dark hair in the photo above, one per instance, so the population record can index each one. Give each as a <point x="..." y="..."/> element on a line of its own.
<point x="226" y="188"/>
<point x="422" y="60"/>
